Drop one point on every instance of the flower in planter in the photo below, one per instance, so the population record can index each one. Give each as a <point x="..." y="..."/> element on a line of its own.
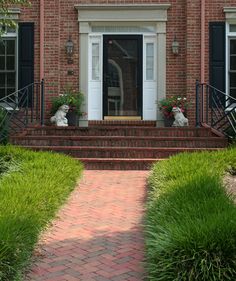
<point x="70" y="97"/>
<point x="166" y="105"/>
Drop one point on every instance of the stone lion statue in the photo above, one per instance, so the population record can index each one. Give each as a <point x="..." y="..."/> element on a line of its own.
<point x="180" y="120"/>
<point x="60" y="116"/>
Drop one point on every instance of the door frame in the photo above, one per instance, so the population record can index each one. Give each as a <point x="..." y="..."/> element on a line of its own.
<point x="105" y="39"/>
<point x="96" y="20"/>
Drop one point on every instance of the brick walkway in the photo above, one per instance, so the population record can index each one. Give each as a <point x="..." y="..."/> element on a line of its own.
<point x="98" y="234"/>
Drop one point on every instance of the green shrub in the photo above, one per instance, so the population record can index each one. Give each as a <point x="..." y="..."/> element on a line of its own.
<point x="70" y="97"/>
<point x="29" y="199"/>
<point x="191" y="221"/>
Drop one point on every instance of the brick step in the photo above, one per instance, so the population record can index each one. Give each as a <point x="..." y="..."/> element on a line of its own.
<point x="141" y="123"/>
<point x="118" y="163"/>
<point x="117" y="152"/>
<point x="120" y="141"/>
<point x="119" y="131"/>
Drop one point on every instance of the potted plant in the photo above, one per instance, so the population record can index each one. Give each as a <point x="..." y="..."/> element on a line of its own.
<point x="166" y="105"/>
<point x="74" y="100"/>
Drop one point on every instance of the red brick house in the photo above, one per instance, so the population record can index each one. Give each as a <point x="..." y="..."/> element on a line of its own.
<point x="123" y="59"/>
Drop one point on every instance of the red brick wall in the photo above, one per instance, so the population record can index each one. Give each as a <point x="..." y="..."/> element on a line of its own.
<point x="183" y="22"/>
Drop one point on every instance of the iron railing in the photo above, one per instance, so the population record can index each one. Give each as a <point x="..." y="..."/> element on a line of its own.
<point x="215" y="109"/>
<point x="22" y="108"/>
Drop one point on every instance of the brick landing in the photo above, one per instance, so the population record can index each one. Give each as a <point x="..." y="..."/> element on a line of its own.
<point x="98" y="234"/>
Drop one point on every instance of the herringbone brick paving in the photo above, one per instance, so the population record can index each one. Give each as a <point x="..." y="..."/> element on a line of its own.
<point x="98" y="235"/>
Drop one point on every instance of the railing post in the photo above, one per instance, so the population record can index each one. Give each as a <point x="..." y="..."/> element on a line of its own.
<point x="197" y="104"/>
<point x="42" y="102"/>
<point x="207" y="103"/>
<point x="32" y="102"/>
<point x="202" y="104"/>
<point x="27" y="107"/>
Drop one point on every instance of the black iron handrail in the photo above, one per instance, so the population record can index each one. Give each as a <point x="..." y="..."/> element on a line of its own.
<point x="216" y="109"/>
<point x="22" y="108"/>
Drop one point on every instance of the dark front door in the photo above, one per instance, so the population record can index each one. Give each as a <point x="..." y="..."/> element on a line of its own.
<point x="122" y="75"/>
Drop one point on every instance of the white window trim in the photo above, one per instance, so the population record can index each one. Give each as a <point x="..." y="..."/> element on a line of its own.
<point x="230" y="16"/>
<point x="14" y="36"/>
<point x="13" y="14"/>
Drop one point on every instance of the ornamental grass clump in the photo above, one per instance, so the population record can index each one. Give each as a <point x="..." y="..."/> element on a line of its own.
<point x="191" y="220"/>
<point x="30" y="195"/>
<point x="166" y="105"/>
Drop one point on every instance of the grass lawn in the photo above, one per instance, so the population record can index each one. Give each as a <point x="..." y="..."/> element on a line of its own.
<point x="191" y="221"/>
<point x="33" y="185"/>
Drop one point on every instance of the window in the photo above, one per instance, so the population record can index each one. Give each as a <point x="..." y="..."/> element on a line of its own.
<point x="7" y="66"/>
<point x="232" y="67"/>
<point x="150" y="61"/>
<point x="95" y="62"/>
<point x="232" y="28"/>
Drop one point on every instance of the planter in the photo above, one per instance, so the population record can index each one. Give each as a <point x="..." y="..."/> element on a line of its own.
<point x="72" y="118"/>
<point x="83" y="123"/>
<point x="168" y="122"/>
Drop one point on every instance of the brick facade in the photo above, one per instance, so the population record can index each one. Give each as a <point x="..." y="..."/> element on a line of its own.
<point x="184" y="22"/>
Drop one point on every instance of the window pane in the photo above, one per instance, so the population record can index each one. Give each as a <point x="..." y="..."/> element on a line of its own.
<point x="233" y="47"/>
<point x="150" y="49"/>
<point x="232" y="79"/>
<point x="2" y="47"/>
<point x="233" y="63"/>
<point x="11" y="80"/>
<point x="232" y="28"/>
<point x="149" y="61"/>
<point x="95" y="69"/>
<point x="149" y="74"/>
<point x="10" y="91"/>
<point x="10" y="47"/>
<point x="10" y="63"/>
<point x="11" y="29"/>
<point x="95" y="49"/>
<point x="233" y="93"/>
<point x="2" y="63"/>
<point x="2" y="80"/>
<point x="95" y="61"/>
<point x="2" y="93"/>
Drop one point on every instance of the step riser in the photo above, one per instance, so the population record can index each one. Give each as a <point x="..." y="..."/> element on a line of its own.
<point x="107" y="153"/>
<point x="122" y="123"/>
<point x="117" y="166"/>
<point x="121" y="132"/>
<point x="207" y="143"/>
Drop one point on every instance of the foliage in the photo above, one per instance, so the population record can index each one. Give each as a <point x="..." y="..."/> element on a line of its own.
<point x="29" y="198"/>
<point x="8" y="165"/>
<point x="4" y="10"/>
<point x="191" y="221"/>
<point x="70" y="97"/>
<point x="166" y="105"/>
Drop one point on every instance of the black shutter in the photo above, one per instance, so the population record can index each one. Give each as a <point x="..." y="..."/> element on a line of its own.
<point x="217" y="60"/>
<point x="217" y="55"/>
<point x="26" y="54"/>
